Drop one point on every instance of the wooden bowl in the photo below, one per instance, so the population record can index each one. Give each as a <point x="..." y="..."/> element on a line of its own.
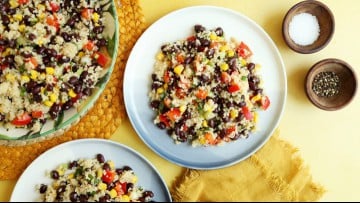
<point x="325" y="20"/>
<point x="347" y="84"/>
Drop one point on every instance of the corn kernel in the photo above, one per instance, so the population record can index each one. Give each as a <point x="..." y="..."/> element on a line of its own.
<point x="113" y="193"/>
<point x="213" y="36"/>
<point x="81" y="54"/>
<point x="48" y="103"/>
<point x="71" y="93"/>
<point x="41" y="16"/>
<point x="182" y="108"/>
<point x="160" y="90"/>
<point x="230" y="53"/>
<point x="202" y="140"/>
<point x="49" y="70"/>
<point x="17" y="17"/>
<point x="160" y="56"/>
<point x="40" y="42"/>
<point x="178" y="69"/>
<point x="22" y="28"/>
<point x="7" y="52"/>
<point x="257" y="67"/>
<point x="233" y="113"/>
<point x="13" y="3"/>
<point x="95" y="17"/>
<point x="243" y="62"/>
<point x="102" y="186"/>
<point x="10" y="77"/>
<point x="224" y="67"/>
<point x="33" y="74"/>
<point x="125" y="198"/>
<point x="99" y="173"/>
<point x="165" y="86"/>
<point x="255" y="98"/>
<point x="205" y="124"/>
<point x="256" y="117"/>
<point x="41" y="7"/>
<point x="71" y="176"/>
<point x="135" y="179"/>
<point x="25" y="78"/>
<point x="111" y="164"/>
<point x="224" y="48"/>
<point x="53" y="97"/>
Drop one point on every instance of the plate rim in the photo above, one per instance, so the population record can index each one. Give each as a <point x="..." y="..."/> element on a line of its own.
<point x="72" y="143"/>
<point x="282" y="100"/>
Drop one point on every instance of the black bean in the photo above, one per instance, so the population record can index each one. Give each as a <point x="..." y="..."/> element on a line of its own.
<point x="77" y="88"/>
<point x="210" y="53"/>
<point x="252" y="86"/>
<point x="148" y="193"/>
<point x="74" y="68"/>
<point x="73" y="164"/>
<point x="83" y="75"/>
<point x="155" y="104"/>
<point x="12" y="43"/>
<point x="54" y="110"/>
<point x="11" y="11"/>
<point x="51" y="52"/>
<point x="54" y="174"/>
<point x="106" y="167"/>
<point x="100" y="158"/>
<point x="37" y="98"/>
<point x="74" y="197"/>
<point x="40" y="50"/>
<point x="199" y="28"/>
<point x="87" y="91"/>
<point x="73" y="80"/>
<point x="5" y="20"/>
<point x="98" y="29"/>
<point x="83" y="198"/>
<point x="31" y="36"/>
<point x="129" y="186"/>
<point x="68" y="104"/>
<point x="211" y="123"/>
<point x="219" y="31"/>
<point x="205" y="42"/>
<point x="65" y="87"/>
<point x="66" y="36"/>
<point x="161" y="125"/>
<point x="43" y="188"/>
<point x="9" y="59"/>
<point x="3" y="42"/>
<point x="119" y="171"/>
<point x="2" y="117"/>
<point x="26" y="54"/>
<point x="36" y="89"/>
<point x="189" y="59"/>
<point x="101" y="42"/>
<point x="127" y="168"/>
<point x="61" y="189"/>
<point x="250" y="66"/>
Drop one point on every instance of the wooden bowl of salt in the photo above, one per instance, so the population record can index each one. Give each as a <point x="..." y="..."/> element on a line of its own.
<point x="308" y="26"/>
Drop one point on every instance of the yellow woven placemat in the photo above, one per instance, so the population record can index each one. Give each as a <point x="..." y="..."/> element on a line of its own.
<point x="104" y="117"/>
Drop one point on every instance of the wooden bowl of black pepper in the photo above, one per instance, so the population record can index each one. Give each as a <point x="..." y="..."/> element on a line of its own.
<point x="331" y="84"/>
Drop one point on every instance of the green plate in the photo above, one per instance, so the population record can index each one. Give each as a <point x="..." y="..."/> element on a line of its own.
<point x="72" y="116"/>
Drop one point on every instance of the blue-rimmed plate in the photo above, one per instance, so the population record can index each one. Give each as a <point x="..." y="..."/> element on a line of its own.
<point x="148" y="176"/>
<point x="179" y="25"/>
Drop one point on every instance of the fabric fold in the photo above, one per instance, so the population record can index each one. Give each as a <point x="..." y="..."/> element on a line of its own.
<point x="275" y="173"/>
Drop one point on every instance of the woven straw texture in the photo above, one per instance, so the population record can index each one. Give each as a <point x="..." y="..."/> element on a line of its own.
<point x="103" y="118"/>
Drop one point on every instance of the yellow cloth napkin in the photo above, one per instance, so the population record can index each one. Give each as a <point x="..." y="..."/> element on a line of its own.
<point x="275" y="173"/>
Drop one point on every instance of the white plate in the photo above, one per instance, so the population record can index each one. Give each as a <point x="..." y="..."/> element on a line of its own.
<point x="179" y="25"/>
<point x="121" y="155"/>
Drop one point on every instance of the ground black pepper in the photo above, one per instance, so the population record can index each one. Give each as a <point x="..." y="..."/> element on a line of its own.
<point x="326" y="84"/>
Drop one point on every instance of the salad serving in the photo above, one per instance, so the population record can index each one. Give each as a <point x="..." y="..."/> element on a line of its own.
<point x="206" y="90"/>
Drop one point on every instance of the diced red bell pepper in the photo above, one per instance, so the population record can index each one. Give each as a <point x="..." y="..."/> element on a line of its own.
<point x="108" y="176"/>
<point x="23" y="1"/>
<point x="103" y="58"/>
<point x="120" y="188"/>
<point x="225" y="77"/>
<point x="86" y="13"/>
<point x="233" y="88"/>
<point x="265" y="102"/>
<point x="201" y="94"/>
<point x="22" y="120"/>
<point x="53" y="21"/>
<point x="163" y="118"/>
<point x="173" y="114"/>
<point x="36" y="114"/>
<point x="243" y="50"/>
<point x="247" y="113"/>
<point x="54" y="7"/>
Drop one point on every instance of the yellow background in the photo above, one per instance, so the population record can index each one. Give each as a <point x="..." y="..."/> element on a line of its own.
<point x="329" y="142"/>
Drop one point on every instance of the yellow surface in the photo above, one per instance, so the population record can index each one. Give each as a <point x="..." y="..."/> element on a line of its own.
<point x="328" y="141"/>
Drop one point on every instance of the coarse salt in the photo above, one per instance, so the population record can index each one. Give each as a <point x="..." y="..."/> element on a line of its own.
<point x="304" y="29"/>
